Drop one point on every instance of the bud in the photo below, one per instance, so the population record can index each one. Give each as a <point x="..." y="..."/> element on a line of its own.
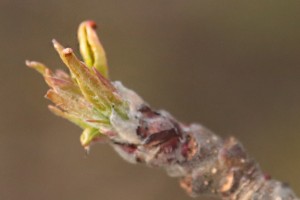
<point x="86" y="97"/>
<point x="91" y="48"/>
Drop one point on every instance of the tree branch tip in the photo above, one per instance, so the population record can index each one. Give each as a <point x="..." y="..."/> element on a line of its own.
<point x="205" y="163"/>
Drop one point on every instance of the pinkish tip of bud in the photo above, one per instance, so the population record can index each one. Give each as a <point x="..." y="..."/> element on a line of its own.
<point x="28" y="63"/>
<point x="67" y="51"/>
<point x="54" y="41"/>
<point x="92" y="24"/>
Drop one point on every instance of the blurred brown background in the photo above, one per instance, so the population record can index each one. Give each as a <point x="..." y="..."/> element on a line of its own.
<point x="234" y="66"/>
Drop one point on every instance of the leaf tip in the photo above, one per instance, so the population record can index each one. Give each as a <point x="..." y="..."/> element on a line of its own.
<point x="39" y="67"/>
<point x="57" y="46"/>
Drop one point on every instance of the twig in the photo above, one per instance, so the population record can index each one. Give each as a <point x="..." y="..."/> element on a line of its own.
<point x="206" y="164"/>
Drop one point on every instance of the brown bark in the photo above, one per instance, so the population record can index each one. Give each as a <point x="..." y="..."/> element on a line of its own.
<point x="205" y="164"/>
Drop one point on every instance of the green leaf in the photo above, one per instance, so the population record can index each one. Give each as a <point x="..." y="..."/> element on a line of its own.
<point x="91" y="48"/>
<point x="89" y="135"/>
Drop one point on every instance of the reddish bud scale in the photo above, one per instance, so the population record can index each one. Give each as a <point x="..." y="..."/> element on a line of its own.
<point x="189" y="148"/>
<point x="207" y="164"/>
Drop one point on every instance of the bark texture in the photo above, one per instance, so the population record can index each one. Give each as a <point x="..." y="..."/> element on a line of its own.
<point x="205" y="163"/>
